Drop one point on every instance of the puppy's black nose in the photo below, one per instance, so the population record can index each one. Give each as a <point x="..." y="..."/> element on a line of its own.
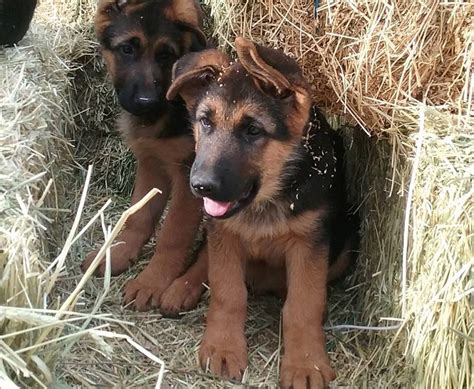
<point x="204" y="186"/>
<point x="146" y="101"/>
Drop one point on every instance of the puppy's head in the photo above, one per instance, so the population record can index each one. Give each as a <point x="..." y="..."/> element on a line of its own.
<point x="141" y="40"/>
<point x="248" y="119"/>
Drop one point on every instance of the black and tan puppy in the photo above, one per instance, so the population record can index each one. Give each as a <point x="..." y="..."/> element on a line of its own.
<point x="270" y="171"/>
<point x="140" y="42"/>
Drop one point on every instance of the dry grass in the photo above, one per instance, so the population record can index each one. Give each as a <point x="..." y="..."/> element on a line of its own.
<point x="33" y="117"/>
<point x="364" y="59"/>
<point x="404" y="318"/>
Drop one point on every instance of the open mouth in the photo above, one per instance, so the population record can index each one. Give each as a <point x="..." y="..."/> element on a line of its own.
<point x="223" y="210"/>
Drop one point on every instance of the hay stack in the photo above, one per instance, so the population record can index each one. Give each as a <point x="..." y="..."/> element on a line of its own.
<point x="38" y="176"/>
<point x="403" y="72"/>
<point x="35" y="114"/>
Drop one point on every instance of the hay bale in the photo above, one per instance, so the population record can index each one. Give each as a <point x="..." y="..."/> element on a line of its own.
<point x="365" y="59"/>
<point x="35" y="114"/>
<point x="380" y="56"/>
<point x="38" y="171"/>
<point x="403" y="72"/>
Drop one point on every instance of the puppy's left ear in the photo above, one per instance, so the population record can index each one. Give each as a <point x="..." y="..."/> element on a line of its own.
<point x="193" y="73"/>
<point x="189" y="17"/>
<point x="199" y="41"/>
<point x="274" y="73"/>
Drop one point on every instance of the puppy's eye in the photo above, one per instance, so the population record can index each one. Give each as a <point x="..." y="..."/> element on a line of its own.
<point x="253" y="131"/>
<point x="164" y="55"/>
<point x="126" y="49"/>
<point x="205" y="122"/>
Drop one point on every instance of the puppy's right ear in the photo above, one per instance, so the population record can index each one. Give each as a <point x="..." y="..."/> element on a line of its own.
<point x="193" y="73"/>
<point x="107" y="10"/>
<point x="110" y="6"/>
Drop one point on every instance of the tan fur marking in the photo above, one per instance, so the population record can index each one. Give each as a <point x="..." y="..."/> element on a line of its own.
<point x="109" y="61"/>
<point x="235" y="113"/>
<point x="224" y="346"/>
<point x="303" y="313"/>
<point x="273" y="158"/>
<point x="296" y="122"/>
<point x="268" y="239"/>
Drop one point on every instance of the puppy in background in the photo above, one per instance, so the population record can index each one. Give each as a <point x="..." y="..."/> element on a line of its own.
<point x="140" y="41"/>
<point x="270" y="172"/>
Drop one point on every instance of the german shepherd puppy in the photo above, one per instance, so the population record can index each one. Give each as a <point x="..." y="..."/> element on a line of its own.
<point x="270" y="172"/>
<point x="140" y="42"/>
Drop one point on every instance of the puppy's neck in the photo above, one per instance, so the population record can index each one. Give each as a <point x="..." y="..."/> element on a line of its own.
<point x="168" y="108"/>
<point x="314" y="171"/>
<point x="171" y="122"/>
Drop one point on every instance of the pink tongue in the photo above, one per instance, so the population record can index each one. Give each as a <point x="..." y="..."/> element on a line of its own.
<point x="216" y="208"/>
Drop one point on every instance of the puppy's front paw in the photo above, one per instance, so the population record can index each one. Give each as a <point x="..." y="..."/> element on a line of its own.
<point x="146" y="290"/>
<point x="306" y="372"/>
<point x="224" y="353"/>
<point x="182" y="295"/>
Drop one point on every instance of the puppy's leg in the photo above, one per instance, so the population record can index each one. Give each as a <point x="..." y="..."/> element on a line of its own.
<point x="174" y="243"/>
<point x="347" y="258"/>
<point x="184" y="293"/>
<point x="224" y="347"/>
<point x="305" y="363"/>
<point x="140" y="226"/>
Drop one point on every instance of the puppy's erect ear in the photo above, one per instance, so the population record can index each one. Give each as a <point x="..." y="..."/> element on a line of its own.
<point x="193" y="73"/>
<point x="279" y="76"/>
<point x="107" y="10"/>
<point x="199" y="39"/>
<point x="185" y="11"/>
<point x="188" y="16"/>
<point x="275" y="73"/>
<point x="111" y="6"/>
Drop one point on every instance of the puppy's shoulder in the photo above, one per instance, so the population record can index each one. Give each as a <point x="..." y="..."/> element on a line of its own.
<point x="318" y="170"/>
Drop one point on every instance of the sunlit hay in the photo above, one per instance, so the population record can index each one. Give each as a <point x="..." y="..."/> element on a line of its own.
<point x="373" y="55"/>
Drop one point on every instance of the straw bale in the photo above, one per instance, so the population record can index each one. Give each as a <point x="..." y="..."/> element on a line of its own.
<point x="381" y="55"/>
<point x="364" y="59"/>
<point x="38" y="113"/>
<point x="33" y="118"/>
<point x="418" y="212"/>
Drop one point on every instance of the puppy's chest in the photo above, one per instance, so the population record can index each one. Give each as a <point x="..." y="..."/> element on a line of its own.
<point x="263" y="222"/>
<point x="272" y="231"/>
